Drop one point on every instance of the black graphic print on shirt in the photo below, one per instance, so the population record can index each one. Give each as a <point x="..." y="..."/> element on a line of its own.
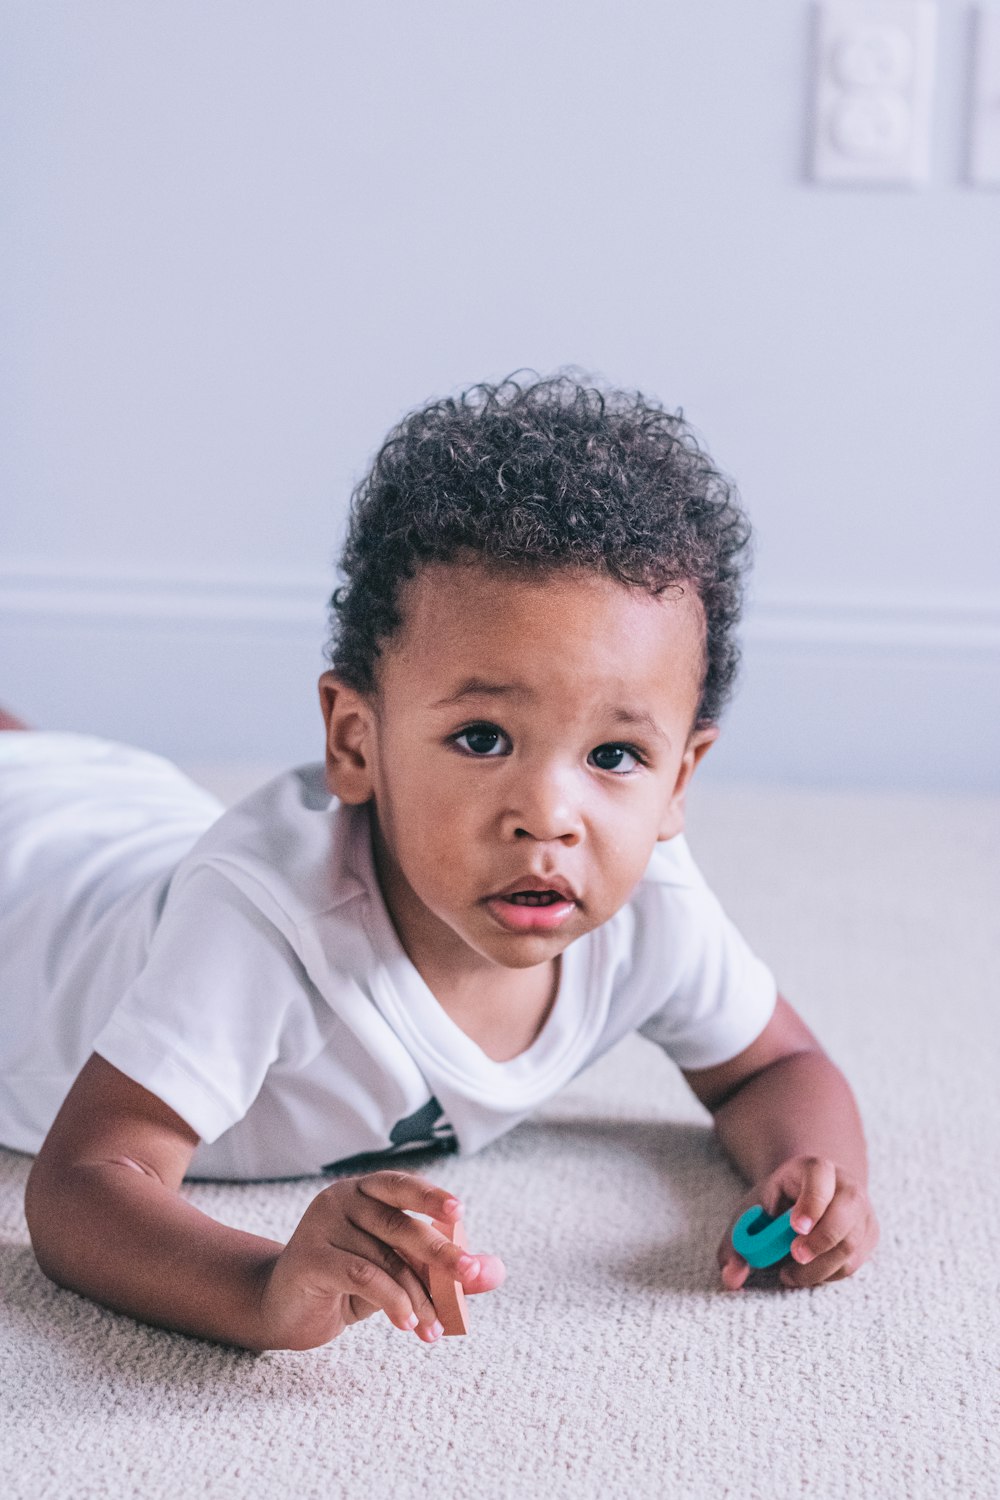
<point x="426" y="1130"/>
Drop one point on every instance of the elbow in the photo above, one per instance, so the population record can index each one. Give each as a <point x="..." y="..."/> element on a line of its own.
<point x="43" y="1214"/>
<point x="36" y="1213"/>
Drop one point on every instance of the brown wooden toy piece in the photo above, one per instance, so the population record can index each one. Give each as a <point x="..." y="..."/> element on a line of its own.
<point x="447" y="1295"/>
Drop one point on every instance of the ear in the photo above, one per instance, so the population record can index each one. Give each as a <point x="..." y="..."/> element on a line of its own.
<point x="350" y="740"/>
<point x="698" y="745"/>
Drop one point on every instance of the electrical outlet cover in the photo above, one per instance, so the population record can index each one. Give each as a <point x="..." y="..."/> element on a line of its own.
<point x="873" y="91"/>
<point x="984" y="133"/>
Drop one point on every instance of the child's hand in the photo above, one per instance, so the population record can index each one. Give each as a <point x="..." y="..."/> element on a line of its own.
<point x="355" y="1250"/>
<point x="844" y="1228"/>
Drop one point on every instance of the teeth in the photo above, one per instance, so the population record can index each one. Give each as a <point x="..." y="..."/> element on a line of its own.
<point x="535" y="898"/>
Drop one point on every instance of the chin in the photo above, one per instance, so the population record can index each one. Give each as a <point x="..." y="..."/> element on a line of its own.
<point x="526" y="955"/>
<point x="533" y="963"/>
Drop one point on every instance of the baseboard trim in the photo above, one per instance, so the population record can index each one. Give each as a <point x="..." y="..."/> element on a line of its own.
<point x="929" y="625"/>
<point x="54" y="592"/>
<point x="222" y="669"/>
<point x="51" y="592"/>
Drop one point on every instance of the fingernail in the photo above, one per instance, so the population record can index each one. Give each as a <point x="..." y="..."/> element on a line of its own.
<point x="804" y="1226"/>
<point x="468" y="1266"/>
<point x="412" y="1321"/>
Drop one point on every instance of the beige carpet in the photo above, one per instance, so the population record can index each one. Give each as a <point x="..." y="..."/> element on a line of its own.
<point x="611" y="1363"/>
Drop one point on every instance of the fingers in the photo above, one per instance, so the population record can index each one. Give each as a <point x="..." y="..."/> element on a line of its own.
<point x="409" y="1190"/>
<point x="735" y="1271"/>
<point x="834" y="1224"/>
<point x="839" y="1244"/>
<point x="816" y="1191"/>
<point x="376" y="1278"/>
<point x="830" y="1212"/>
<point x="378" y="1211"/>
<point x="492" y="1273"/>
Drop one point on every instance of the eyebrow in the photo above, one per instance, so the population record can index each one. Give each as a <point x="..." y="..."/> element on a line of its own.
<point x="478" y="687"/>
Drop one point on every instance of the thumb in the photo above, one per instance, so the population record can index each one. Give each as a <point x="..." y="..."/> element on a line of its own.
<point x="735" y="1274"/>
<point x="492" y="1274"/>
<point x="733" y="1268"/>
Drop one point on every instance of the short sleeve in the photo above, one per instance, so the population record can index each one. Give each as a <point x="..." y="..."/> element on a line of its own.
<point x="202" y="1022"/>
<point x="720" y="995"/>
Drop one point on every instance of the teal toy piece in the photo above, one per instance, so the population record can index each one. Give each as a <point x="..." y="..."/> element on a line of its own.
<point x="760" y="1240"/>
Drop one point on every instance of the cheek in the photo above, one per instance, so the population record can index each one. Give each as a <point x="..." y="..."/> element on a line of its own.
<point x="630" y="869"/>
<point x="626" y="854"/>
<point x="433" y="827"/>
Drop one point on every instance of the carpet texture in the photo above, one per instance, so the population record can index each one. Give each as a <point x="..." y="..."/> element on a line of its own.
<point x="612" y="1362"/>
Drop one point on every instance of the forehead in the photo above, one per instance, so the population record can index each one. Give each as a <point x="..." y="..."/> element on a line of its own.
<point x="570" y="626"/>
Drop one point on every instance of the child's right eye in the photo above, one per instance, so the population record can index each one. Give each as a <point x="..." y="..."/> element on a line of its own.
<point x="476" y="734"/>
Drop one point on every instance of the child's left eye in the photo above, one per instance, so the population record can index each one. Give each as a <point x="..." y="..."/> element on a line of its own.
<point x="617" y="750"/>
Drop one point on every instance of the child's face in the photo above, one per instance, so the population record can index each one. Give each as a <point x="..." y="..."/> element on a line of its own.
<point x="540" y="779"/>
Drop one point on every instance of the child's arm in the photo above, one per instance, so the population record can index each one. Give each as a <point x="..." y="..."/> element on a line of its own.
<point x="106" y="1219"/>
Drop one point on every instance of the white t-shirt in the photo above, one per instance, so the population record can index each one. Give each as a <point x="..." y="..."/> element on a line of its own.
<point x="241" y="965"/>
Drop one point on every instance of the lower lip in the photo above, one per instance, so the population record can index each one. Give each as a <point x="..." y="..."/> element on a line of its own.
<point x="518" y="918"/>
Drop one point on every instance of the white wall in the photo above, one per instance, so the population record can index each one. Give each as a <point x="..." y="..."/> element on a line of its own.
<point x="246" y="237"/>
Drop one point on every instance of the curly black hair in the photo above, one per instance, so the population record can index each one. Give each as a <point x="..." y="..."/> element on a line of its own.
<point x="555" y="474"/>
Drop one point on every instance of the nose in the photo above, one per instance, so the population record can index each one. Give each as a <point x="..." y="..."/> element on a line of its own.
<point x="545" y="806"/>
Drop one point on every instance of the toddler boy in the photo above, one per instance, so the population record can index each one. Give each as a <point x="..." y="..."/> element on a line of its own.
<point x="408" y="949"/>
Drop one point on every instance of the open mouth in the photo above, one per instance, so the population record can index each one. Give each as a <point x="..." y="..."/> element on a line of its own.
<point x="534" y="898"/>
<point x="531" y="911"/>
